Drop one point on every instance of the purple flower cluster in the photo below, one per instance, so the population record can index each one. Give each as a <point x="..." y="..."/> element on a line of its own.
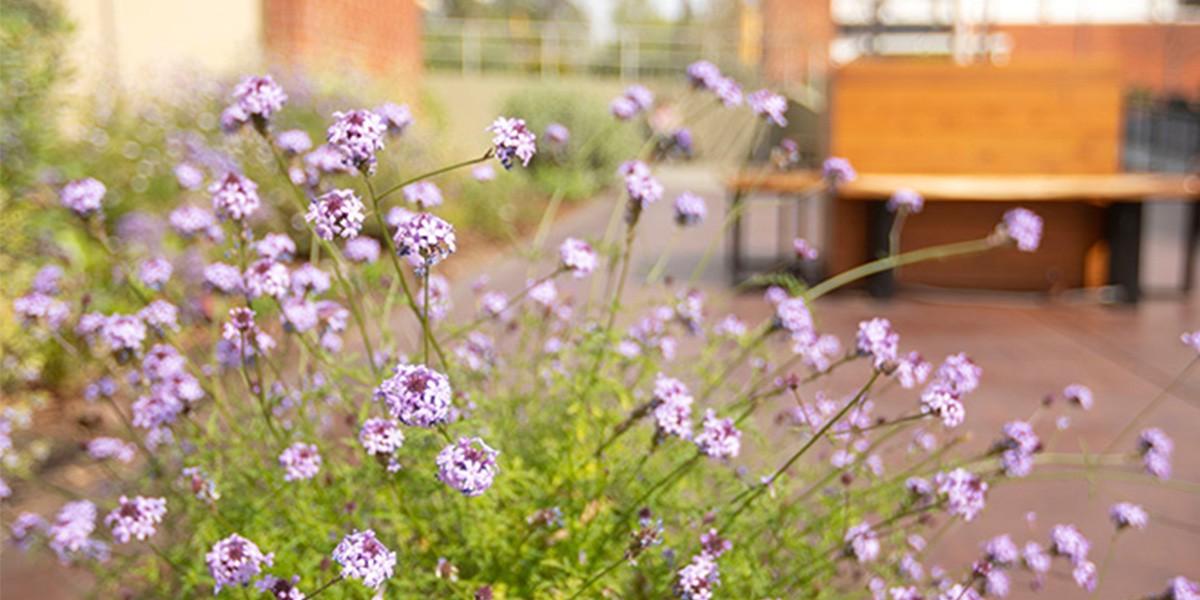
<point x="293" y="142"/>
<point x="189" y="221"/>
<point x="357" y="135"/>
<point x="416" y="395"/>
<point x="83" y="197"/>
<point x="70" y="533"/>
<point x="41" y="308"/>
<point x="364" y="558"/>
<point x="397" y="117"/>
<point x="1191" y="339"/>
<point x="877" y="339"/>
<point x="641" y="186"/>
<point x="468" y="465"/>
<point x="635" y="100"/>
<point x="689" y="209"/>
<point x="906" y="200"/>
<point x="718" y="438"/>
<point x="424" y="194"/>
<point x="837" y="170"/>
<point x="956" y="377"/>
<point x="425" y="240"/>
<point x="862" y="543"/>
<point x="1155" y="448"/>
<point x="511" y="139"/>
<point x="266" y="278"/>
<point x="361" y="249"/>
<point x="1127" y="515"/>
<point x="577" y="256"/>
<point x="234" y="197"/>
<point x="338" y="213"/>
<point x="558" y="134"/>
<point x="804" y="250"/>
<point x="1017" y="447"/>
<point x="256" y="96"/>
<point x="1023" y="227"/>
<point x="672" y="407"/>
<point x="235" y="561"/>
<point x="136" y="517"/>
<point x="769" y="105"/>
<point x="964" y="492"/>
<point x="104" y="448"/>
<point x="381" y="438"/>
<point x="300" y="462"/>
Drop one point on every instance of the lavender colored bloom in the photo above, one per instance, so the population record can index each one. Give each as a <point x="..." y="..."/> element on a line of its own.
<point x="22" y="528"/>
<point x="232" y="119"/>
<point x="468" y="465"/>
<point x="1002" y="551"/>
<point x="689" y="209"/>
<point x="1085" y="575"/>
<point x="483" y="172"/>
<point x="557" y="134"/>
<point x="1155" y="448"/>
<point x="71" y="532"/>
<point x="425" y="240"/>
<point x="35" y="308"/>
<point x="136" y="518"/>
<point x="266" y="277"/>
<point x="300" y="461"/>
<point x="417" y="395"/>
<point x="577" y="256"/>
<point x="1182" y="588"/>
<point x="199" y="484"/>
<point x="877" y="339"/>
<point x="769" y="105"/>
<point x="672" y="407"/>
<point x="728" y="91"/>
<point x="155" y="272"/>
<point x="912" y="370"/>
<point x="161" y="315"/>
<point x="1191" y="339"/>
<point x="1023" y="227"/>
<point x="793" y="315"/>
<point x="959" y="592"/>
<point x="439" y="297"/>
<point x="696" y="580"/>
<point x="945" y="403"/>
<point x="104" y="448"/>
<point x="905" y="199"/>
<point x="224" y="278"/>
<point x="958" y="373"/>
<point x="308" y="279"/>
<point x="275" y="246"/>
<point x="643" y="189"/>
<point x="642" y="97"/>
<point x="1079" y="395"/>
<point x="338" y="213"/>
<point x="623" y="108"/>
<point x="424" y="194"/>
<point x="862" y="542"/>
<point x="364" y="558"/>
<point x="235" y="561"/>
<point x="713" y="545"/>
<point x="188" y="177"/>
<point x="259" y="96"/>
<point x="358" y="135"/>
<point x="234" y="197"/>
<point x="190" y="221"/>
<point x="279" y="588"/>
<point x="703" y="74"/>
<point x="493" y="304"/>
<point x="730" y="326"/>
<point x="362" y="249"/>
<point x="381" y="437"/>
<point x="123" y="333"/>
<point x="1067" y="541"/>
<point x="804" y="250"/>
<point x="326" y="158"/>
<point x="512" y="139"/>
<point x="837" y="170"/>
<point x="719" y="438"/>
<point x="965" y="493"/>
<point x="83" y="197"/>
<point x="294" y="141"/>
<point x="398" y="215"/>
<point x="1035" y="558"/>
<point x="1125" y="514"/>
<point x="47" y="279"/>
<point x="397" y="117"/>
<point x="544" y="294"/>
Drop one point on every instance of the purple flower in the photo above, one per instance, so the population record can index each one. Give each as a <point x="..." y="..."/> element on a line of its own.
<point x="123" y="333"/>
<point x="103" y="448"/>
<point x="1125" y="514"/>
<point x="512" y="139"/>
<point x="417" y="395"/>
<point x="136" y="518"/>
<point x="727" y="90"/>
<point x="1002" y="551"/>
<point x="199" y="484"/>
<point x="642" y="187"/>
<point x="468" y="465"/>
<point x="623" y="108"/>
<point x="877" y="339"/>
<point x="689" y="209"/>
<point x="965" y="493"/>
<point x="483" y="172"/>
<point x="730" y="326"/>
<point x="275" y="246"/>
<point x="279" y="588"/>
<point x="1085" y="575"/>
<point x="258" y="97"/>
<point x="397" y="117"/>
<point x="696" y="580"/>
<point x="363" y="557"/>
<point x="24" y="526"/>
<point x="642" y="97"/>
<point x="493" y="304"/>
<point x="1155" y="448"/>
<point x="804" y="250"/>
<point x="719" y="438"/>
<point x="837" y="170"/>
<point x="189" y="177"/>
<point x="155" y="272"/>
<point x="439" y="297"/>
<point x="300" y="461"/>
<point x="1023" y="227"/>
<point x="358" y="135"/>
<point x="672" y="407"/>
<point x="362" y="249"/>
<point x="308" y="279"/>
<point x="557" y="134"/>
<point x="338" y="213"/>
<point x="1182" y="588"/>
<point x="1079" y="395"/>
<point x="424" y="194"/>
<point x="1035" y="558"/>
<point x="83" y="196"/>
<point x="912" y="370"/>
<point x="234" y="197"/>
<point x="793" y="315"/>
<point x="425" y="240"/>
<point x="769" y="105"/>
<point x="189" y="221"/>
<point x="222" y="277"/>
<point x="577" y="257"/>
<point x="71" y="532"/>
<point x="958" y="373"/>
<point x="1067" y="541"/>
<point x="293" y="142"/>
<point x="46" y="280"/>
<point x="862" y="542"/>
<point x="907" y="200"/>
<point x="703" y="74"/>
<point x="161" y="315"/>
<point x="35" y="307"/>
<point x="1191" y="339"/>
<point x="381" y="437"/>
<point x="235" y="561"/>
<point x="266" y="277"/>
<point x="943" y="402"/>
<point x="327" y="158"/>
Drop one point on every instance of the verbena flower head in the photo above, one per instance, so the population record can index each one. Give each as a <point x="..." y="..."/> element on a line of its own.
<point x="136" y="517"/>
<point x="511" y="139"/>
<point x="1001" y="550"/>
<point x="47" y="279"/>
<point x="234" y="197"/>
<point x="425" y="240"/>
<point x="1024" y="227"/>
<point x="416" y="395"/>
<point x="41" y="308"/>
<point x="364" y="558"/>
<point x="258" y="96"/>
<point x="123" y="333"/>
<point x="837" y="170"/>
<point x="804" y="250"/>
<point x="689" y="209"/>
<point x="912" y="370"/>
<point x="265" y="277"/>
<point x="959" y="373"/>
<point x="223" y="278"/>
<point x="623" y="108"/>
<point x="696" y="580"/>
<point x="1079" y="395"/>
<point x="642" y="97"/>
<point x="728" y="91"/>
<point x="362" y="249"/>
<point x="793" y="315"/>
<point x="558" y="134"/>
<point x="104" y="448"/>
<point x="155" y="272"/>
<point x="1182" y="588"/>
<point x="300" y="462"/>
<point x="235" y="561"/>
<point x="381" y="437"/>
<point x="703" y="74"/>
<point x="468" y="465"/>
<point x="862" y="543"/>
<point x="1155" y="448"/>
<point x="199" y="484"/>
<point x="578" y="257"/>
<point x="424" y="194"/>
<point x="188" y="176"/>
<point x="293" y="142"/>
<point x="70" y="533"/>
<point x="965" y="493"/>
<point x="483" y="172"/>
<point x="672" y="407"/>
<point x="1125" y="515"/>
<point x="1191" y="339"/>
<point x="279" y="588"/>
<point x="83" y="196"/>
<point x="769" y="105"/>
<point x="397" y="117"/>
<point x="1067" y="541"/>
<point x="338" y="213"/>
<point x="190" y="221"/>
<point x="24" y="526"/>
<point x="877" y="339"/>
<point x="641" y="186"/>
<point x="906" y="199"/>
<point x="358" y="135"/>
<point x="719" y="438"/>
<point x="945" y="403"/>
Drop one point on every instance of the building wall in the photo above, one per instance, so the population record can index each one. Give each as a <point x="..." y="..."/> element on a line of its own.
<point x="796" y="38"/>
<point x="379" y="37"/>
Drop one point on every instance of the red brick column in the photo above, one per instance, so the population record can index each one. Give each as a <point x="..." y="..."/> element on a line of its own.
<point x="378" y="37"/>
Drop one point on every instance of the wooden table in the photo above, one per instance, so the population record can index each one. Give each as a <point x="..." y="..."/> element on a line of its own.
<point x="1122" y="195"/>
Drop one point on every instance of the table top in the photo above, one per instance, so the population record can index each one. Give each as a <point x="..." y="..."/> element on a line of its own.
<point x="1104" y="188"/>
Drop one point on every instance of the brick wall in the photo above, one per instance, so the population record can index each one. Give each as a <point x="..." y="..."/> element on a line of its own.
<point x="796" y="35"/>
<point x="378" y="37"/>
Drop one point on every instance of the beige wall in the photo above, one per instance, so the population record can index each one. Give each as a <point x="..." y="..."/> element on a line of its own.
<point x="138" y="44"/>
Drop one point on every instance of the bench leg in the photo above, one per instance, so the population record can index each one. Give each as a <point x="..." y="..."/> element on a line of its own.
<point x="1124" y="231"/>
<point x="1192" y="247"/>
<point x="879" y="226"/>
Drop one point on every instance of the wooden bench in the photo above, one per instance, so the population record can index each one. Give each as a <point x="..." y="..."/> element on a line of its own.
<point x="1120" y="195"/>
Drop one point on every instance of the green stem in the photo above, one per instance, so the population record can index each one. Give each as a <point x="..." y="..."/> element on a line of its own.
<point x="1149" y="408"/>
<point x="891" y="262"/>
<point x="433" y="173"/>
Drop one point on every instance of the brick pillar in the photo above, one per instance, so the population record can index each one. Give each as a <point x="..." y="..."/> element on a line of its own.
<point x="796" y="37"/>
<point x="378" y="37"/>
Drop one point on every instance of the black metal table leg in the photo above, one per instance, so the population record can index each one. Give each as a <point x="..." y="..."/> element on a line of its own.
<point x="879" y="227"/>
<point x="1124" y="232"/>
<point x="1192" y="247"/>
